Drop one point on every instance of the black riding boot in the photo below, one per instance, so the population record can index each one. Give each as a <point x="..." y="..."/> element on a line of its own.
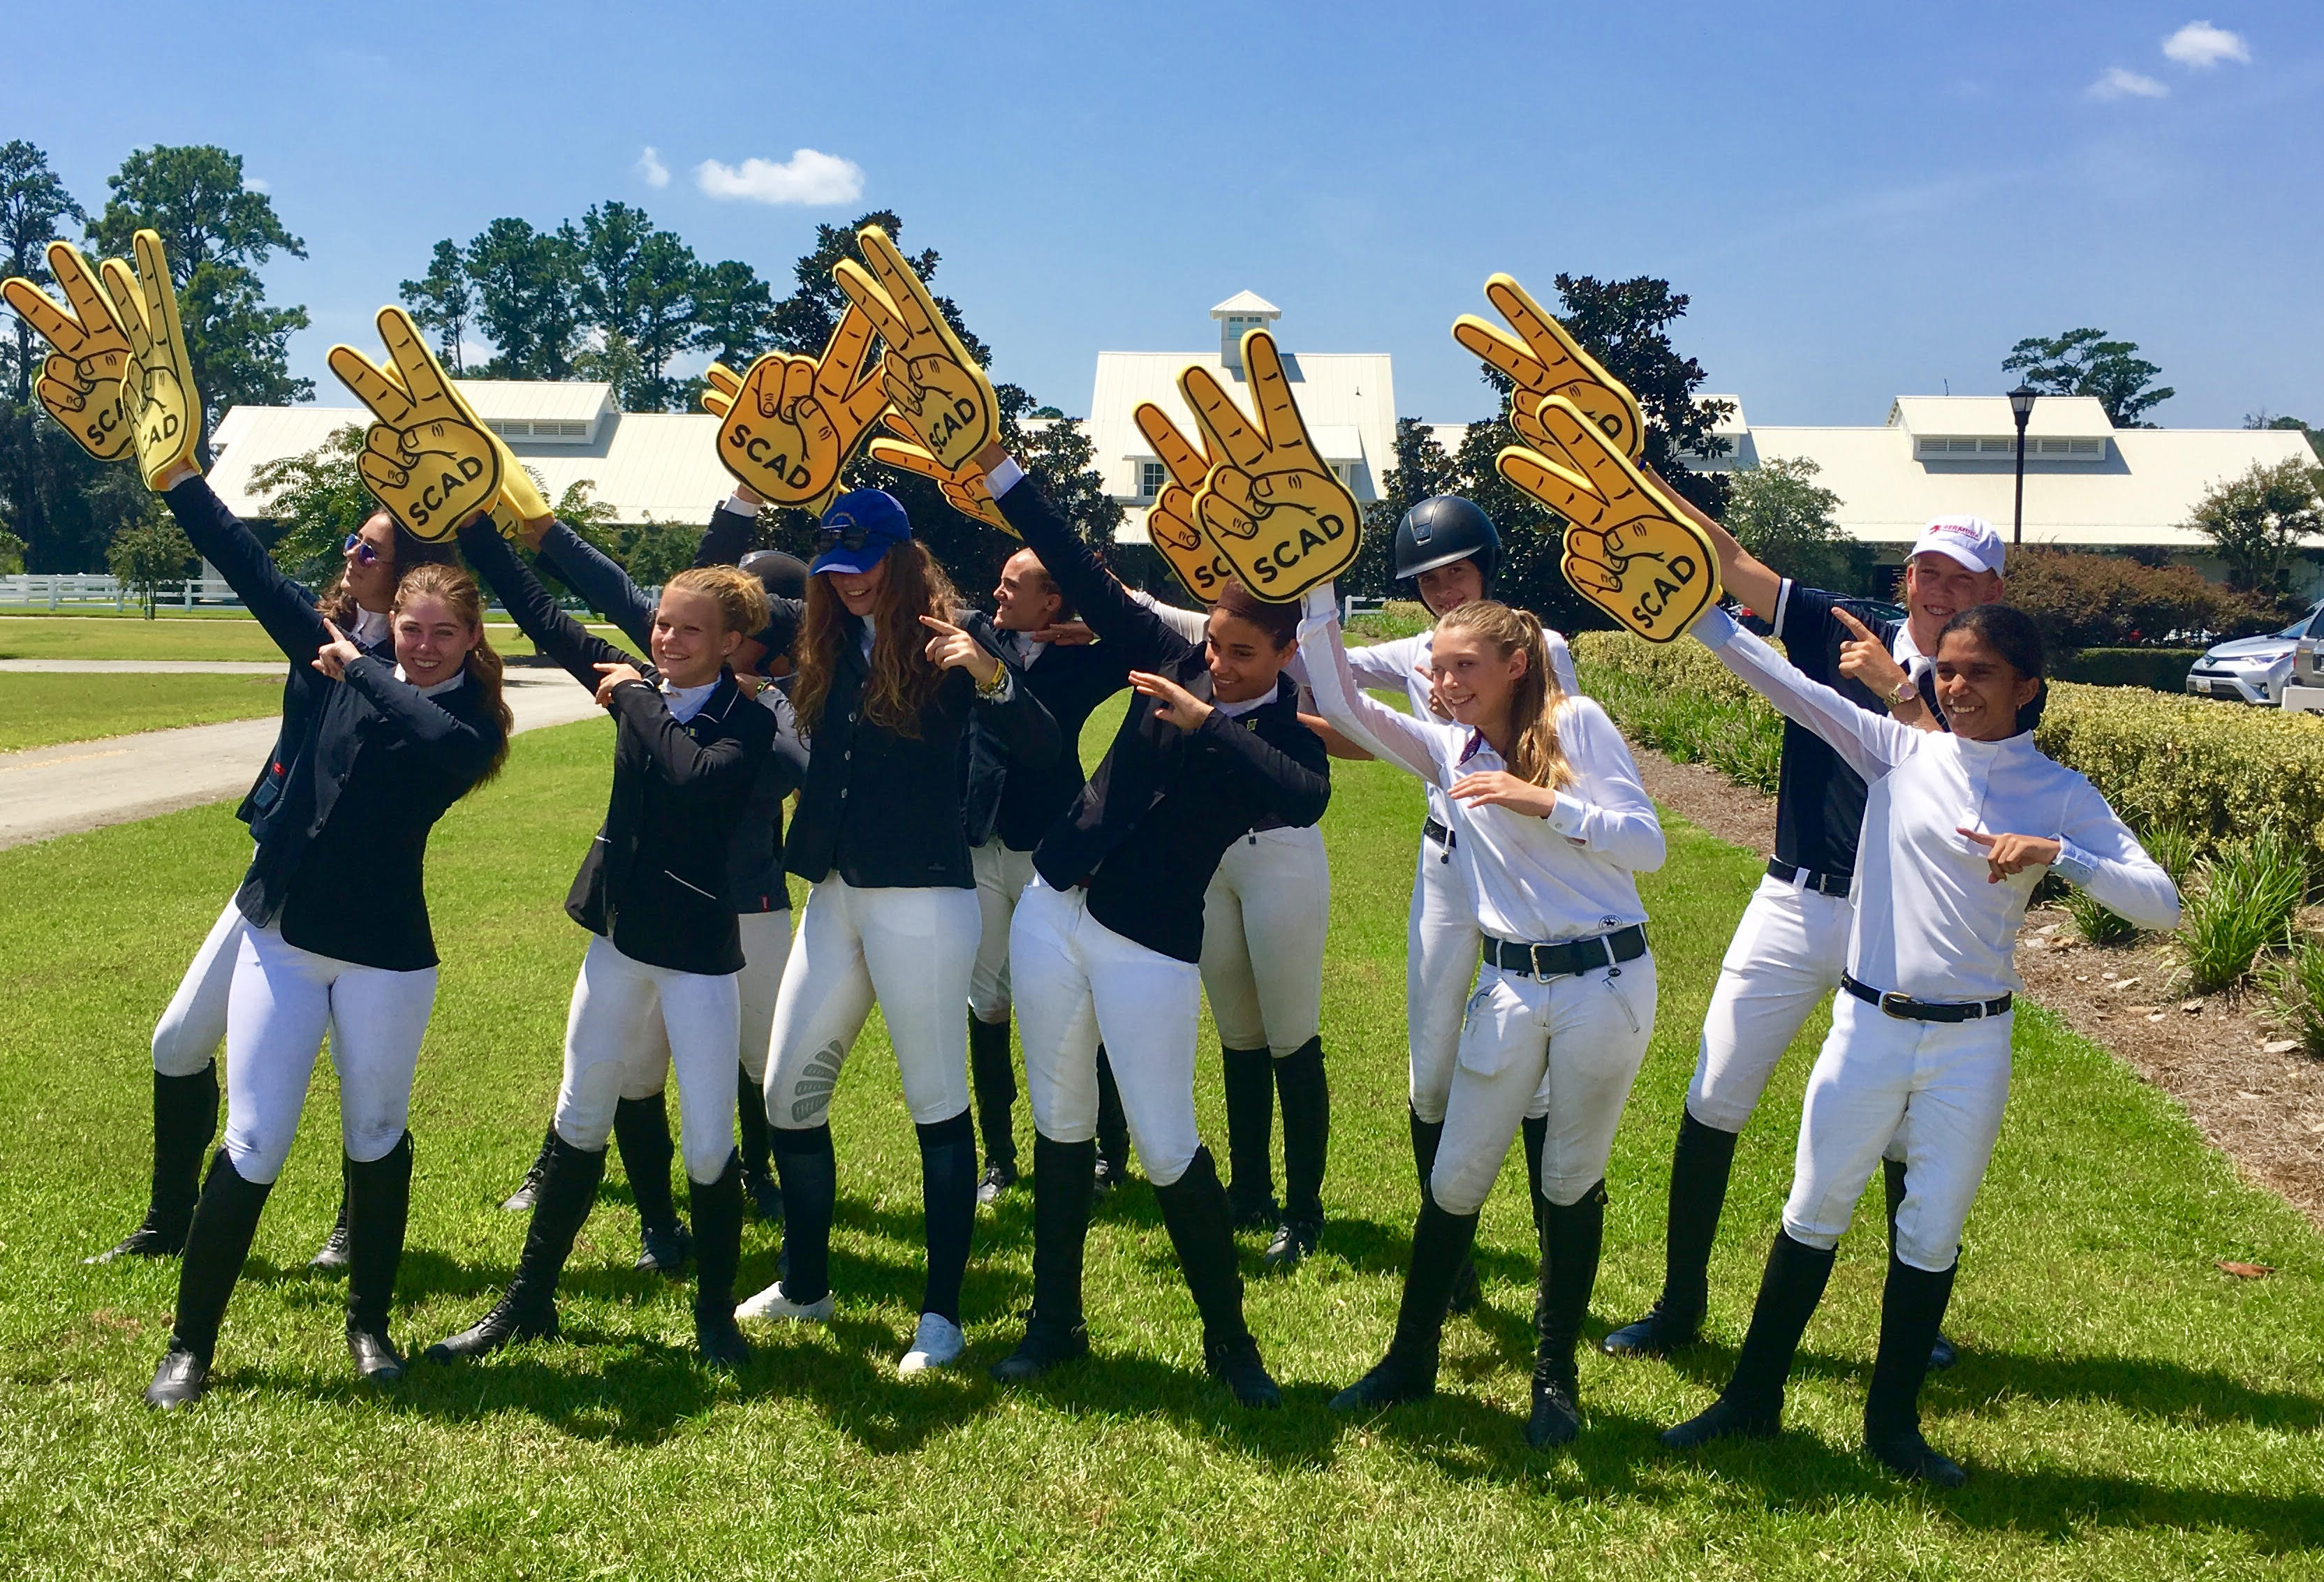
<point x="1427" y="1135"/>
<point x="1306" y="1096"/>
<point x="1573" y="1236"/>
<point x="947" y="1210"/>
<point x="1194" y="1212"/>
<point x="218" y="1244"/>
<point x="185" y="1119"/>
<point x="717" y="1251"/>
<point x="993" y="1077"/>
<point x="1752" y="1404"/>
<point x="335" y="1254"/>
<point x="1441" y="1245"/>
<point x="1534" y="1129"/>
<point x="379" y="1197"/>
<point x="1942" y="1352"/>
<point x="1701" y="1164"/>
<point x="641" y="1133"/>
<point x="1250" y="1137"/>
<point x="810" y="1176"/>
<point x="1113" y="1167"/>
<point x="1912" y="1308"/>
<point x="527" y="1310"/>
<point x="1064" y="1182"/>
<point x="759" y="1189"/>
<point x="520" y="1201"/>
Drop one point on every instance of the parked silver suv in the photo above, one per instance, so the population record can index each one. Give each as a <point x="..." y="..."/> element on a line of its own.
<point x="2251" y="670"/>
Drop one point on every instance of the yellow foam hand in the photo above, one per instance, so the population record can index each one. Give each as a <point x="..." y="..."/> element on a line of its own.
<point x="720" y="385"/>
<point x="790" y="423"/>
<point x="1630" y="549"/>
<point x="81" y="382"/>
<point x="428" y="457"/>
<point x="1544" y="360"/>
<point x="963" y="488"/>
<point x="1171" y="524"/>
<point x="936" y="387"/>
<point x="158" y="398"/>
<point x="1281" y="518"/>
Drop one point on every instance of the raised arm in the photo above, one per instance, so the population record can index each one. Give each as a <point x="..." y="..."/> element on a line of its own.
<point x="1293" y="780"/>
<point x="283" y="607"/>
<point x="1382" y="731"/>
<point x="1740" y="573"/>
<point x="553" y="632"/>
<point x="602" y="583"/>
<point x="1606" y="811"/>
<point x="465" y="750"/>
<point x="1871" y="744"/>
<point x="1147" y="641"/>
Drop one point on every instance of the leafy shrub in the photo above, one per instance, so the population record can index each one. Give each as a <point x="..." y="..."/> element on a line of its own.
<point x="2083" y="601"/>
<point x="1676" y="698"/>
<point x="2156" y="669"/>
<point x="2241" y="905"/>
<point x="2295" y="991"/>
<point x="2100" y="924"/>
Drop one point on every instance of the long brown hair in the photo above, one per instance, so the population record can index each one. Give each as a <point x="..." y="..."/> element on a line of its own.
<point x="337" y="601"/>
<point x="1534" y="752"/>
<point x="458" y="588"/>
<point x="903" y="681"/>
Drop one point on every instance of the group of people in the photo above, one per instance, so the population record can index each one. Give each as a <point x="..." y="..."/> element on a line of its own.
<point x="963" y="870"/>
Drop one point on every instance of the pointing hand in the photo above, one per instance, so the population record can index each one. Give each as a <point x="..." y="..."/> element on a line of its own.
<point x="158" y="398"/>
<point x="428" y="458"/>
<point x="790" y="423"/>
<point x="1170" y="522"/>
<point x="937" y="388"/>
<point x="1545" y="360"/>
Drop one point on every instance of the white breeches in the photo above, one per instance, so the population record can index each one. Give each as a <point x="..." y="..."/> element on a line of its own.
<point x="284" y="1001"/>
<point x="1441" y="944"/>
<point x="186" y="1038"/>
<point x="627" y="1018"/>
<point x="1264" y="919"/>
<point x="1001" y="876"/>
<point x="1941" y="1086"/>
<point x="1580" y="1039"/>
<point x="766" y="943"/>
<point x="1787" y="954"/>
<point x="1078" y="984"/>
<point x="911" y="949"/>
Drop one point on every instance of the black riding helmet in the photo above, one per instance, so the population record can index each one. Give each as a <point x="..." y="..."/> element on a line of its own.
<point x="784" y="576"/>
<point x="1443" y="528"/>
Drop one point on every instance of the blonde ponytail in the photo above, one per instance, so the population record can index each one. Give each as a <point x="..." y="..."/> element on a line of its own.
<point x="1534" y="752"/>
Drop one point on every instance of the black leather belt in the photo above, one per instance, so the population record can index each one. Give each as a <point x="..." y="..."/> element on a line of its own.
<point x="1906" y="1008"/>
<point x="1822" y="884"/>
<point x="1563" y="960"/>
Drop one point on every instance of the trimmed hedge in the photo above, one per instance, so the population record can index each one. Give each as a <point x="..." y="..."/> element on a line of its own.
<point x="2162" y="760"/>
<point x="2156" y="669"/>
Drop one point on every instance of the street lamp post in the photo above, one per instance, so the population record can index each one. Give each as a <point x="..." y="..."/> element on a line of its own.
<point x="2021" y="407"/>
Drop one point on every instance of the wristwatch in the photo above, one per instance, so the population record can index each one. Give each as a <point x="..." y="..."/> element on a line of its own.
<point x="1903" y="692"/>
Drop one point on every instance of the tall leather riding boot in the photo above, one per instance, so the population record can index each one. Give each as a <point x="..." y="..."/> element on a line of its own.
<point x="1194" y="1212"/>
<point x="1440" y="1245"/>
<point x="1573" y="1237"/>
<point x="1912" y="1310"/>
<point x="810" y="1177"/>
<point x="1113" y="1167"/>
<point x="1251" y="1137"/>
<point x="759" y="1189"/>
<point x="1306" y="1097"/>
<point x="217" y="1245"/>
<point x="334" y="1255"/>
<point x="1064" y="1185"/>
<point x="717" y="1209"/>
<point x="379" y="1198"/>
<point x="993" y="1077"/>
<point x="642" y="1134"/>
<point x="1534" y="1129"/>
<point x="527" y="1310"/>
<point x="185" y="1119"/>
<point x="1942" y="1352"/>
<point x="947" y="1210"/>
<point x="1426" y="1136"/>
<point x="1752" y="1403"/>
<point x="520" y="1201"/>
<point x="1701" y="1164"/>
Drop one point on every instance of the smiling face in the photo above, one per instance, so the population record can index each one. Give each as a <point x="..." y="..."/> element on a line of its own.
<point x="373" y="586"/>
<point x="1979" y="691"/>
<point x="1937" y="587"/>
<point x="1446" y="588"/>
<point x="1025" y="600"/>
<point x="858" y="591"/>
<point x="431" y="640"/>
<point x="1474" y="679"/>
<point x="1244" y="660"/>
<point x="690" y="639"/>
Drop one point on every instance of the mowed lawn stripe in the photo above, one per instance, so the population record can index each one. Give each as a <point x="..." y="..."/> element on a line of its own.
<point x="2128" y="1410"/>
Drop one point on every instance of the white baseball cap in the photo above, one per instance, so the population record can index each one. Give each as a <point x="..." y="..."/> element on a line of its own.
<point x="1968" y="540"/>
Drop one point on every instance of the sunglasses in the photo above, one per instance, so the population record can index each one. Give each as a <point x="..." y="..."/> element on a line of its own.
<point x="364" y="553"/>
<point x="852" y="539"/>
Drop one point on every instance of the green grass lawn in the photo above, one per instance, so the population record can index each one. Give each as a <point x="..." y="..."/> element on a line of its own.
<point x="219" y="635"/>
<point x="2126" y="1410"/>
<point x="38" y="708"/>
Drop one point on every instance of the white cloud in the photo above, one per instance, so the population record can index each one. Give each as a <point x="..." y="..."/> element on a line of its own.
<point x="2200" y="45"/>
<point x="806" y="177"/>
<point x="2120" y="84"/>
<point x="652" y="168"/>
<point x="256" y="184"/>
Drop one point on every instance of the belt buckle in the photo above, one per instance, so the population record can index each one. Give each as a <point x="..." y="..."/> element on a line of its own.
<point x="1533" y="953"/>
<point x="1891" y="1002"/>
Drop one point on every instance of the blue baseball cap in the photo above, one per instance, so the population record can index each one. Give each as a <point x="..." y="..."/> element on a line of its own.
<point x="861" y="526"/>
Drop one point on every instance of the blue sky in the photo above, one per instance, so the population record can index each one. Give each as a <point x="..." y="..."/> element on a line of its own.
<point x="1863" y="201"/>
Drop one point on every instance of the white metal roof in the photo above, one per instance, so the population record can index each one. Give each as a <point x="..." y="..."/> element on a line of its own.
<point x="1988" y="417"/>
<point x="499" y="400"/>
<point x="1244" y="304"/>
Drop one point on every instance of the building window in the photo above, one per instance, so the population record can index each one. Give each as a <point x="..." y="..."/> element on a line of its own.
<point x="1150" y="479"/>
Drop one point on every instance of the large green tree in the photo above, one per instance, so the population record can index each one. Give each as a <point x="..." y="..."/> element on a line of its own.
<point x="637" y="291"/>
<point x="216" y="230"/>
<point x="2085" y="363"/>
<point x="528" y="298"/>
<point x="443" y="302"/>
<point x="1782" y="516"/>
<point x="35" y="207"/>
<point x="2261" y="524"/>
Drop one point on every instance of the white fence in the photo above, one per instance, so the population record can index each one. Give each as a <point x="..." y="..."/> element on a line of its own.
<point x="66" y="590"/>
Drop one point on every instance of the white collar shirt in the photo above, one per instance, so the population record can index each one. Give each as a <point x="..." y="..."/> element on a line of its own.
<point x="446" y="685"/>
<point x="369" y="629"/>
<point x="686" y="701"/>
